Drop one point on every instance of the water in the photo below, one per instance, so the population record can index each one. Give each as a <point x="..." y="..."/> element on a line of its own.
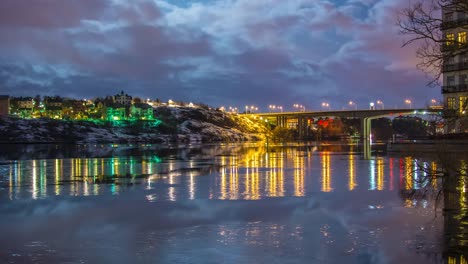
<point x="225" y="204"/>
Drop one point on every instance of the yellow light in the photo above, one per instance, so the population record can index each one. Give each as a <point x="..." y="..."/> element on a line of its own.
<point x="299" y="176"/>
<point x="352" y="173"/>
<point x="462" y="38"/>
<point x="326" y="179"/>
<point x="408" y="175"/>
<point x="380" y="174"/>
<point x="450" y="39"/>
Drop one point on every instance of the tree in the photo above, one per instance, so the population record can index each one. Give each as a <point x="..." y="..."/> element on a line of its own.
<point x="37" y="101"/>
<point x="137" y="100"/>
<point x="282" y="134"/>
<point x="439" y="28"/>
<point x="422" y="23"/>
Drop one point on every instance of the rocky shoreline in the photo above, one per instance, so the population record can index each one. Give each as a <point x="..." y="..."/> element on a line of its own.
<point x="178" y="124"/>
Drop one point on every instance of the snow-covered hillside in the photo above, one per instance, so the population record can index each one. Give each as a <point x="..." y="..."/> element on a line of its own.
<point x="179" y="124"/>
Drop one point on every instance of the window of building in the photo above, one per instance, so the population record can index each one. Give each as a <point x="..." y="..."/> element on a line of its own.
<point x="451" y="60"/>
<point x="450" y="102"/>
<point x="462" y="38"/>
<point x="464" y="58"/>
<point x="463" y="104"/>
<point x="463" y="79"/>
<point x="450" y="80"/>
<point x="450" y="39"/>
<point x="448" y="16"/>
<point x="461" y="15"/>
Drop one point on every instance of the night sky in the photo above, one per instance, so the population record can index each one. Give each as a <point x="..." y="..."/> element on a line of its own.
<point x="218" y="52"/>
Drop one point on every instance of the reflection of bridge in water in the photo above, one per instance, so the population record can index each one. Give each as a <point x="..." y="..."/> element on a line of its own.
<point x="254" y="173"/>
<point x="301" y="121"/>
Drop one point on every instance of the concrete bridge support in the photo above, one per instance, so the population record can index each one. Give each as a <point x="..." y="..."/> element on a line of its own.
<point x="302" y="128"/>
<point x="366" y="137"/>
<point x="281" y="121"/>
<point x="365" y="115"/>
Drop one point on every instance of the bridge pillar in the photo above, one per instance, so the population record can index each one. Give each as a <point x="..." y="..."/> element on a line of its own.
<point x="281" y="121"/>
<point x="366" y="137"/>
<point x="300" y="127"/>
<point x="304" y="127"/>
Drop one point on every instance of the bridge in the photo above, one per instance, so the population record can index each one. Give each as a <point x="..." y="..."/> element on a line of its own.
<point x="300" y="120"/>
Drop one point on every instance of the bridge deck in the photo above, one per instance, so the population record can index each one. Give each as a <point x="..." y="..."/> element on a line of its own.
<point x="352" y="113"/>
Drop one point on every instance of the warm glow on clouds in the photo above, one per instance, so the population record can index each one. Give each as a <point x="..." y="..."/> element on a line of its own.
<point x="225" y="52"/>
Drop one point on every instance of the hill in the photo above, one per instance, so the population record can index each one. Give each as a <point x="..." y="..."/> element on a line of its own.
<point x="178" y="124"/>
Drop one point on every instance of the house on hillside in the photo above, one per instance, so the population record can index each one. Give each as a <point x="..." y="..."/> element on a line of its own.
<point x="53" y="106"/>
<point x="75" y="109"/>
<point x="22" y="106"/>
<point x="141" y="111"/>
<point x="115" y="112"/>
<point x="122" y="99"/>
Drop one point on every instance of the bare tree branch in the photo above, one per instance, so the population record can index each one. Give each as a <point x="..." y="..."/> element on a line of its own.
<point x="422" y="23"/>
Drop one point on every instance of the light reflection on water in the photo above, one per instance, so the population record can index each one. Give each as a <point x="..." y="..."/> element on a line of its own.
<point x="332" y="200"/>
<point x="249" y="175"/>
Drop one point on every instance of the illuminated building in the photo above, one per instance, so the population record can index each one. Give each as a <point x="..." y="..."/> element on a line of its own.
<point x="4" y="105"/>
<point x="455" y="67"/>
<point x="75" y="109"/>
<point x="53" y="107"/>
<point x="116" y="112"/>
<point x="22" y="106"/>
<point x="123" y="99"/>
<point x="24" y="102"/>
<point x="141" y="111"/>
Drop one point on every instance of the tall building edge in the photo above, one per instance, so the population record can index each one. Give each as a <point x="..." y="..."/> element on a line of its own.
<point x="455" y="68"/>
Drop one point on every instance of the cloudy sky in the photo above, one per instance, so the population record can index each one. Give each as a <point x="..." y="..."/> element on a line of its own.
<point x="219" y="52"/>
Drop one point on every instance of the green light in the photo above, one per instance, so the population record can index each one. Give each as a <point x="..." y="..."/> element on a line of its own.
<point x="156" y="159"/>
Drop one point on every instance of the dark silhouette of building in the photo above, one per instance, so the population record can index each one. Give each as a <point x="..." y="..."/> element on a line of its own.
<point x="4" y="105"/>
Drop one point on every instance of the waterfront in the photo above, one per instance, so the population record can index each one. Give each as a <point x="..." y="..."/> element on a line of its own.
<point x="223" y="204"/>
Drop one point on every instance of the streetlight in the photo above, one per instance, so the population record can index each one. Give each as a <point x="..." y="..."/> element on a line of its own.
<point x="380" y="103"/>
<point x="351" y="103"/>
<point x="299" y="107"/>
<point x="408" y="102"/>
<point x="272" y="107"/>
<point x="371" y="106"/>
<point x="233" y="110"/>
<point x="280" y="108"/>
<point x="250" y="109"/>
<point x="326" y="105"/>
<point x="434" y="104"/>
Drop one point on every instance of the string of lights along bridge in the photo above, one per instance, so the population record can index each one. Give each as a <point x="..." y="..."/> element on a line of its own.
<point x="327" y="106"/>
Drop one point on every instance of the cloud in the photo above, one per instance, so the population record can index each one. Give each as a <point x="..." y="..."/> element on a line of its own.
<point x="48" y="14"/>
<point x="220" y="52"/>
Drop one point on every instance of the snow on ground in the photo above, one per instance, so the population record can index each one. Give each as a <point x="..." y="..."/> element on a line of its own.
<point x="179" y="124"/>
